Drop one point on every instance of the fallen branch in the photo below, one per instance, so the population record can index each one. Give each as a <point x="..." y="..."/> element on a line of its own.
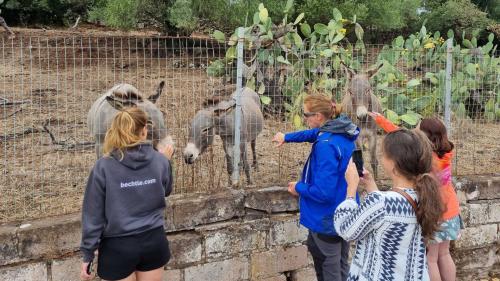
<point x="76" y="23"/>
<point x="27" y="131"/>
<point x="65" y="145"/>
<point x="13" y="113"/>
<point x="5" y="102"/>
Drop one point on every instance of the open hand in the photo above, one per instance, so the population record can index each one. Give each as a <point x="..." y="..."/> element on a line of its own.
<point x="167" y="150"/>
<point x="279" y="139"/>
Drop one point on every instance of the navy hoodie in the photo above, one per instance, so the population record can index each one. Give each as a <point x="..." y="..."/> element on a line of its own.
<point x="124" y="196"/>
<point x="323" y="186"/>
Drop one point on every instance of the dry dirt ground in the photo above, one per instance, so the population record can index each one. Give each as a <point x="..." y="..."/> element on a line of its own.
<point x="49" y="79"/>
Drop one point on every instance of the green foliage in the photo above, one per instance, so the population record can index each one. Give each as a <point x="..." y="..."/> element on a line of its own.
<point x="391" y="14"/>
<point x="227" y="15"/>
<point x="476" y="70"/>
<point x="459" y="16"/>
<point x="117" y="13"/>
<point x="292" y="53"/>
<point x="57" y="12"/>
<point x="321" y="10"/>
<point x="181" y="16"/>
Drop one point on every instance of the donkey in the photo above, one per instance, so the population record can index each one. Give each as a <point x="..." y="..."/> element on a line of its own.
<point x="103" y="110"/>
<point x="218" y="119"/>
<point x="357" y="102"/>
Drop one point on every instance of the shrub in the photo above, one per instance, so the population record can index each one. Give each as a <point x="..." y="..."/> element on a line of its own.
<point x="116" y="13"/>
<point x="460" y="16"/>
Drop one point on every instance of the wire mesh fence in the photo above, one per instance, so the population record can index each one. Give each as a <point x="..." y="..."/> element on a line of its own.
<point x="48" y="84"/>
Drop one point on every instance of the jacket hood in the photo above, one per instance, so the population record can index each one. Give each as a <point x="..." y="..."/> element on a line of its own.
<point x="341" y="125"/>
<point x="135" y="157"/>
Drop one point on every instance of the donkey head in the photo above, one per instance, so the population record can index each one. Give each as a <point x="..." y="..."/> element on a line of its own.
<point x="201" y="135"/>
<point x="359" y="88"/>
<point x="204" y="125"/>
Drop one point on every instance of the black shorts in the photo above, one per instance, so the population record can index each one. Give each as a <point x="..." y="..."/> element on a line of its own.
<point x="121" y="256"/>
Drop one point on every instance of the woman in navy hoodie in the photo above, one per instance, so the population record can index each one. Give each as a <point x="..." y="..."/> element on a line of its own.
<point x="323" y="186"/>
<point x="124" y="204"/>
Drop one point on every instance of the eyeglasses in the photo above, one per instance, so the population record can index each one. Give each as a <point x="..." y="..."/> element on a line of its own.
<point x="309" y="114"/>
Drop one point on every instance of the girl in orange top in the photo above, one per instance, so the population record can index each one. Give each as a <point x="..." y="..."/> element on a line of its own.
<point x="441" y="265"/>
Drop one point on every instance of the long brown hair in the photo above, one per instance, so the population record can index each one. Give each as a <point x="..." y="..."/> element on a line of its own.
<point x="321" y="103"/>
<point x="435" y="130"/>
<point x="411" y="152"/>
<point x="125" y="130"/>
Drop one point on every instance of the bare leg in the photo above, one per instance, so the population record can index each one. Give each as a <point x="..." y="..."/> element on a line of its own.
<point x="254" y="155"/>
<point x="445" y="262"/>
<point x="131" y="277"/>
<point x="152" y="275"/>
<point x="432" y="262"/>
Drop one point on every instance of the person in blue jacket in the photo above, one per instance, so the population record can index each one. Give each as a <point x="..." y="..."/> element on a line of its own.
<point x="322" y="186"/>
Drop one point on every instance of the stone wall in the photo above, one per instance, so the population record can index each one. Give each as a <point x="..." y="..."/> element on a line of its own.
<point x="236" y="236"/>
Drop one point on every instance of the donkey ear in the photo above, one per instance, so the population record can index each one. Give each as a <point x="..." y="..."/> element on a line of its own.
<point x="158" y="93"/>
<point x="370" y="73"/>
<point x="348" y="71"/>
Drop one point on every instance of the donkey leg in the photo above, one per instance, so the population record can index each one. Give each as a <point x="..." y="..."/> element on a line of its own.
<point x="373" y="153"/>
<point x="254" y="155"/>
<point x="246" y="166"/>
<point x="229" y="162"/>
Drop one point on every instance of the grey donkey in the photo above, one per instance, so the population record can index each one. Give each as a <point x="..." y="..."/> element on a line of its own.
<point x="357" y="102"/>
<point x="103" y="110"/>
<point x="218" y="119"/>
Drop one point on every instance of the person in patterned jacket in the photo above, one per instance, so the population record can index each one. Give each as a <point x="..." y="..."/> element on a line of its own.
<point x="440" y="262"/>
<point x="390" y="228"/>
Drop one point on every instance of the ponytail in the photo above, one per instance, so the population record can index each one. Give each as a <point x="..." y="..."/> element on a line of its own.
<point x="125" y="130"/>
<point x="430" y="207"/>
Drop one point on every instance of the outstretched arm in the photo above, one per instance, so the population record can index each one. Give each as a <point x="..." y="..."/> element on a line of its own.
<point x="383" y="122"/>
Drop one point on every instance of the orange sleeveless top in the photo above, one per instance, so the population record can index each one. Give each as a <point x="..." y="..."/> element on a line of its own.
<point x="441" y="168"/>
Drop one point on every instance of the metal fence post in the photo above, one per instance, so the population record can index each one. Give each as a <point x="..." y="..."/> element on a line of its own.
<point x="447" y="89"/>
<point x="235" y="177"/>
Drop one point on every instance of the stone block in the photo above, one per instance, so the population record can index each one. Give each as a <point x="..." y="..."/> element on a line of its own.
<point x="190" y="212"/>
<point x="274" y="199"/>
<point x="480" y="260"/>
<point x="172" y="275"/>
<point x="278" y="260"/>
<point x="483" y="212"/>
<point x="50" y="237"/>
<point x="478" y="187"/>
<point x="25" y="272"/>
<point x="185" y="248"/>
<point x="8" y="245"/>
<point x="305" y="274"/>
<point x="67" y="269"/>
<point x="235" y="269"/>
<point x="230" y="239"/>
<point x="286" y="230"/>
<point x="477" y="237"/>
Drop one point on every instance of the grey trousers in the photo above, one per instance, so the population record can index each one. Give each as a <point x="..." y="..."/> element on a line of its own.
<point x="330" y="256"/>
